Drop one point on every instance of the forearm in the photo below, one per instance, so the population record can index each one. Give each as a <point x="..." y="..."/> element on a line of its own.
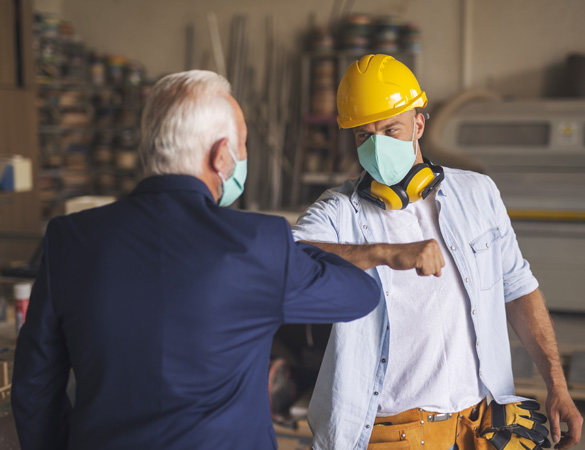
<point x="424" y="256"/>
<point x="531" y="322"/>
<point x="364" y="256"/>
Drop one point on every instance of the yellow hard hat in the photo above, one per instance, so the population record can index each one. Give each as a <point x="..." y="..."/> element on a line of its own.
<point x="376" y="87"/>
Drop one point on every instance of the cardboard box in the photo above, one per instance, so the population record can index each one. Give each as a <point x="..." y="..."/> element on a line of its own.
<point x="16" y="174"/>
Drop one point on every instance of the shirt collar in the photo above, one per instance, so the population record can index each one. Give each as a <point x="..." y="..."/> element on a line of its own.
<point x="172" y="182"/>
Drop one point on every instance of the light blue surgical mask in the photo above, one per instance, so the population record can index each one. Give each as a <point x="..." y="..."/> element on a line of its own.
<point x="234" y="185"/>
<point x="387" y="159"/>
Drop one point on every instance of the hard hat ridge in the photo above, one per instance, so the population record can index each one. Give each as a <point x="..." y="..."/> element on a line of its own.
<point x="364" y="63"/>
<point x="374" y="88"/>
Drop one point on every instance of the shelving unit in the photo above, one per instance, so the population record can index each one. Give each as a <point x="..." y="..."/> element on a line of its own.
<point x="89" y="107"/>
<point x="64" y="136"/>
<point x="20" y="226"/>
<point x="326" y="156"/>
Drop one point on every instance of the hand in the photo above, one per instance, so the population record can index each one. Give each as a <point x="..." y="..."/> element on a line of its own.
<point x="561" y="408"/>
<point x="424" y="256"/>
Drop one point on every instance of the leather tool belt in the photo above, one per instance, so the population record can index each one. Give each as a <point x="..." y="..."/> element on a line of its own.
<point x="423" y="430"/>
<point x="514" y="426"/>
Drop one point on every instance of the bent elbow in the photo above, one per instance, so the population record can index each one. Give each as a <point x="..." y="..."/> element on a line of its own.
<point x="367" y="293"/>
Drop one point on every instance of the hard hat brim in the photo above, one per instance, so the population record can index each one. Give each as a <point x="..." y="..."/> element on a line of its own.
<point x="418" y="102"/>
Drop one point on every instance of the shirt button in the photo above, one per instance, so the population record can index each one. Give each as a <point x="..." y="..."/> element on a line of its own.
<point x="487" y="245"/>
<point x="452" y="247"/>
<point x="467" y="280"/>
<point x="365" y="227"/>
<point x="477" y="343"/>
<point x="367" y="426"/>
<point x="376" y="393"/>
<point x="473" y="312"/>
<point x="383" y="360"/>
<point x="386" y="293"/>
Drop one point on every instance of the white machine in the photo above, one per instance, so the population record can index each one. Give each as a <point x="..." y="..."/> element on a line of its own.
<point x="535" y="152"/>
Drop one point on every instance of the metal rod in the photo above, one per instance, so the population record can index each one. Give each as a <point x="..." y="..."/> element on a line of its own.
<point x="189" y="47"/>
<point x="216" y="44"/>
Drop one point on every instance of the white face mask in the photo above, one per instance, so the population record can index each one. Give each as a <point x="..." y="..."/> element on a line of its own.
<point x="234" y="185"/>
<point x="388" y="159"/>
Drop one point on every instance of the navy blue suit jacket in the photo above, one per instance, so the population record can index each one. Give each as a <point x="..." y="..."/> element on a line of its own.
<point x="165" y="306"/>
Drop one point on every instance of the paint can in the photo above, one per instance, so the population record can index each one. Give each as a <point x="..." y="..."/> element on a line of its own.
<point x="21" y="299"/>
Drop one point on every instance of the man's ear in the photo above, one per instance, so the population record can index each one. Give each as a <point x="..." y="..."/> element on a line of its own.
<point x="419" y="123"/>
<point x="219" y="156"/>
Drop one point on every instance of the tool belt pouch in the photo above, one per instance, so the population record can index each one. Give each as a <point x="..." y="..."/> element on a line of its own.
<point x="394" y="437"/>
<point x="417" y="430"/>
<point x="468" y="423"/>
<point x="513" y="426"/>
<point x="404" y="432"/>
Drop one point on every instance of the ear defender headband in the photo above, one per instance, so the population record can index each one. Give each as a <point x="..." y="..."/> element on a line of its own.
<point x="419" y="182"/>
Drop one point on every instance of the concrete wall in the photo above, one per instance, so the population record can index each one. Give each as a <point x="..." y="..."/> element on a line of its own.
<point x="516" y="46"/>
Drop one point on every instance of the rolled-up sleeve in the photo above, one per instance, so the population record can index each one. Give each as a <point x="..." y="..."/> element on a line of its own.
<point x="319" y="222"/>
<point x="518" y="278"/>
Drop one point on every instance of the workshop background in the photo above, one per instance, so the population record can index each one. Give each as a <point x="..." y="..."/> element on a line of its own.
<point x="506" y="86"/>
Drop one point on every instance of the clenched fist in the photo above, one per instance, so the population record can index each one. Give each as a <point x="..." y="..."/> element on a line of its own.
<point x="424" y="256"/>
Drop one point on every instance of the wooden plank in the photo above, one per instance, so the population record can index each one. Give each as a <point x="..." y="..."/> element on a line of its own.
<point x="20" y="211"/>
<point x="4" y="380"/>
<point x="5" y="392"/>
<point x="26" y="39"/>
<point x="7" y="44"/>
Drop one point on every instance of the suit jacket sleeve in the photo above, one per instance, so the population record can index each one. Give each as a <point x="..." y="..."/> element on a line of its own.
<point x="324" y="288"/>
<point x="41" y="370"/>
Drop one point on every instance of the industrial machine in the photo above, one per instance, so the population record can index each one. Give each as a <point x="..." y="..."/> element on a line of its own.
<point x="535" y="152"/>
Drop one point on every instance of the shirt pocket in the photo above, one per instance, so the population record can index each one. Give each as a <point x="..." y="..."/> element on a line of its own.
<point x="486" y="249"/>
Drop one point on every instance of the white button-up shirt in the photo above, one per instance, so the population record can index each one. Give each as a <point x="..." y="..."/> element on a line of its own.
<point x="477" y="230"/>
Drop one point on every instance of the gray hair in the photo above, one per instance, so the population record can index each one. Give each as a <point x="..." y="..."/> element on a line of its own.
<point x="184" y="115"/>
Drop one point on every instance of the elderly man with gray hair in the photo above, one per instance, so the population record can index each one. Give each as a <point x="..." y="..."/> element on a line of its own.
<point x="164" y="304"/>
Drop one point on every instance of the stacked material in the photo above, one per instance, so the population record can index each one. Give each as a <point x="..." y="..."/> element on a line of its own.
<point x="59" y="53"/>
<point x="356" y="33"/>
<point x="386" y="34"/>
<point x="362" y="34"/>
<point x="410" y="38"/>
<point x="322" y="40"/>
<point x="89" y="108"/>
<point x="323" y="87"/>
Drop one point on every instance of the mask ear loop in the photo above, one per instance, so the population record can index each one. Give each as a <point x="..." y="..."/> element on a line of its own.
<point x="233" y="155"/>
<point x="413" y="133"/>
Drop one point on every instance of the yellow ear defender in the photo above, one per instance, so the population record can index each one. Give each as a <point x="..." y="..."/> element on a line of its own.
<point x="393" y="197"/>
<point x="418" y="183"/>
